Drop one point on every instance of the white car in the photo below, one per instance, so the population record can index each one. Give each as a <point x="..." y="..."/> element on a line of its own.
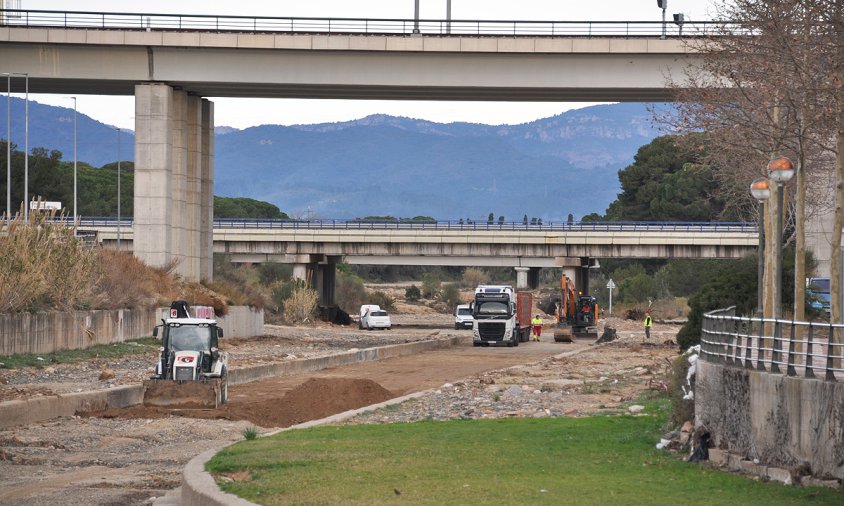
<point x="463" y="316"/>
<point x="373" y="317"/>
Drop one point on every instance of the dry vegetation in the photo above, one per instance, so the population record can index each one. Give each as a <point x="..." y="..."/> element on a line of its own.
<point x="44" y="266"/>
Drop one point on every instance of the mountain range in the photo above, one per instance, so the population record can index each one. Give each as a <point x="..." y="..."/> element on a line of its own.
<point x="384" y="165"/>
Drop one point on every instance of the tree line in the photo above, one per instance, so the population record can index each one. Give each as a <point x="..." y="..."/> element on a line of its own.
<point x="50" y="178"/>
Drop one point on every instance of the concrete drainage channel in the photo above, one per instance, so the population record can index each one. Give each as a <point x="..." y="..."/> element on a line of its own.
<point x="25" y="412"/>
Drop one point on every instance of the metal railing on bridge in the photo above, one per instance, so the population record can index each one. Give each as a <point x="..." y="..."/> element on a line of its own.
<point x="309" y="25"/>
<point x="794" y="348"/>
<point x="467" y="225"/>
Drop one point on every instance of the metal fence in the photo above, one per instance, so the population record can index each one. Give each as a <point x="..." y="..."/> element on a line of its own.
<point x="265" y="24"/>
<point x="328" y="224"/>
<point x="793" y="348"/>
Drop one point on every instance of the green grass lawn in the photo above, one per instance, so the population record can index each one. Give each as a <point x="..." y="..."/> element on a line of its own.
<point x="114" y="350"/>
<point x="598" y="460"/>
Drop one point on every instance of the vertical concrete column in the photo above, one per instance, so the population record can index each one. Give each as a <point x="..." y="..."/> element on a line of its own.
<point x="152" y="237"/>
<point x="193" y="188"/>
<point x="206" y="198"/>
<point x="329" y="281"/>
<point x="179" y="164"/>
<point x="533" y="277"/>
<point x="521" y="278"/>
<point x="574" y="274"/>
<point x="300" y="271"/>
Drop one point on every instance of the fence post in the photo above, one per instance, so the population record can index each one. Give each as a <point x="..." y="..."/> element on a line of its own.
<point x="760" y="346"/>
<point x="830" y="376"/>
<point x="791" y="344"/>
<point x="748" y="345"/>
<point x="809" y="358"/>
<point x="776" y="355"/>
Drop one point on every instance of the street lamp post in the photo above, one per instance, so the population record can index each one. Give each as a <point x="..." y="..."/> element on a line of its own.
<point x="8" y="148"/>
<point x="75" y="215"/>
<point x="761" y="191"/>
<point x="780" y="171"/>
<point x="118" y="189"/>
<point x="26" y="154"/>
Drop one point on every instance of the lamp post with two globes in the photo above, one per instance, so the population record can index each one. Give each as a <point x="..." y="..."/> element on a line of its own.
<point x="761" y="191"/>
<point x="780" y="171"/>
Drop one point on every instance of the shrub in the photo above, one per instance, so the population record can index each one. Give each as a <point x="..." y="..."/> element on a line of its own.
<point x="299" y="307"/>
<point x="473" y="277"/>
<point x="124" y="281"/>
<point x="270" y="272"/>
<point x="430" y="285"/>
<point x="450" y="295"/>
<point x="382" y="299"/>
<point x="349" y="292"/>
<point x="43" y="266"/>
<point x="250" y="433"/>
<point x="412" y="293"/>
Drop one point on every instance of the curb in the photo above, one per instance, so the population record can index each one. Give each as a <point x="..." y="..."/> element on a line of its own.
<point x="24" y="412"/>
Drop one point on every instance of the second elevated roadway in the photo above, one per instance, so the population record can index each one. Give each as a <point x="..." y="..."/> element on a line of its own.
<point x="463" y="244"/>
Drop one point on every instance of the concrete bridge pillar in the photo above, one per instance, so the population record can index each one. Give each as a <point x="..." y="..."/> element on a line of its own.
<point x="173" y="181"/>
<point x="522" y="278"/>
<point x="533" y="278"/>
<point x="206" y="193"/>
<point x="329" y="280"/>
<point x="300" y="271"/>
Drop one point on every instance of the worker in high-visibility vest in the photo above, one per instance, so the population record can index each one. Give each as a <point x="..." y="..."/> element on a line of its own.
<point x="649" y="322"/>
<point x="536" y="327"/>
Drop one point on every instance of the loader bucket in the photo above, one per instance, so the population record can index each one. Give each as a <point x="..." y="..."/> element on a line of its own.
<point x="206" y="394"/>
<point x="563" y="335"/>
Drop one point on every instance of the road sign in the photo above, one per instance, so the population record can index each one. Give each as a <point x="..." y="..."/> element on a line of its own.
<point x="611" y="285"/>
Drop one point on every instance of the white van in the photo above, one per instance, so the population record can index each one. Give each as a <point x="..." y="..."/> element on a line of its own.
<point x="463" y="316"/>
<point x="373" y="317"/>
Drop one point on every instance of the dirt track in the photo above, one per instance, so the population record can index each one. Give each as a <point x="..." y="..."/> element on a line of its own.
<point x="124" y="459"/>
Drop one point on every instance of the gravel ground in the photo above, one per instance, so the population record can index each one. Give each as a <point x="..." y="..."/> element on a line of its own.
<point x="118" y="461"/>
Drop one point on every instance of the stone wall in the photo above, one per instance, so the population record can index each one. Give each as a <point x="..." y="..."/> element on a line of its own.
<point x="47" y="332"/>
<point x="782" y="421"/>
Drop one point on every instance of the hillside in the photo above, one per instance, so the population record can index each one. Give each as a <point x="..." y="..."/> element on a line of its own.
<point x="384" y="165"/>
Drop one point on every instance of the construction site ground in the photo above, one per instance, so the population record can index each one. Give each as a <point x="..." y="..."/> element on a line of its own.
<point x="134" y="455"/>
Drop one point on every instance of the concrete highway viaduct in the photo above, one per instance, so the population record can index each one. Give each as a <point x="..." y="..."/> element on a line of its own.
<point x="314" y="248"/>
<point x="172" y="64"/>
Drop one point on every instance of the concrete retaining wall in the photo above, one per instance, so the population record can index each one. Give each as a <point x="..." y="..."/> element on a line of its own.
<point x="242" y="321"/>
<point x="781" y="421"/>
<point x="33" y="333"/>
<point x="24" y="412"/>
<point x="48" y="332"/>
<point x="29" y="411"/>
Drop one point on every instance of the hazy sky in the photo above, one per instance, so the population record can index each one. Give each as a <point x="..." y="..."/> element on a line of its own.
<point x="242" y="113"/>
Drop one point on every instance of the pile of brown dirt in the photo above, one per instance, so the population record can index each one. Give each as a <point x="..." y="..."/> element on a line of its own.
<point x="312" y="400"/>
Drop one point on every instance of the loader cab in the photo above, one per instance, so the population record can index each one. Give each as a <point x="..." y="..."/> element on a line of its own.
<point x="185" y="335"/>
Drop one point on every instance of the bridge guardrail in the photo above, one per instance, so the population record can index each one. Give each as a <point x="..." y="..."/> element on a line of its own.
<point x="789" y="347"/>
<point x="266" y="24"/>
<point x="584" y="226"/>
